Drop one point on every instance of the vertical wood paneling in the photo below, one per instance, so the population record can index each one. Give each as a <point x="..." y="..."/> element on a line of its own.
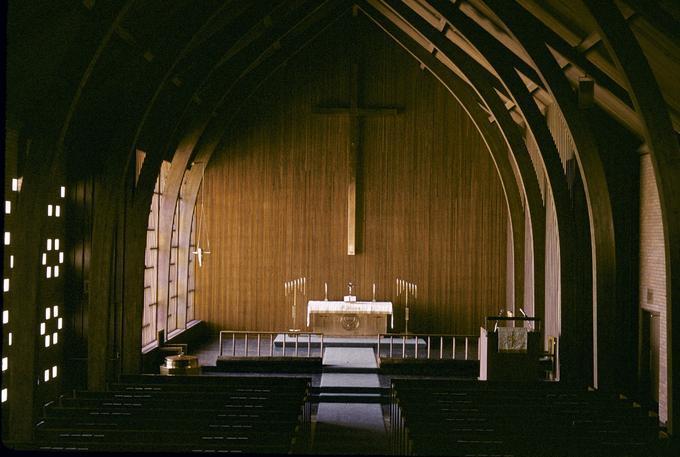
<point x="431" y="204"/>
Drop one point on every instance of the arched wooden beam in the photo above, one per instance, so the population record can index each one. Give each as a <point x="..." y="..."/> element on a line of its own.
<point x="139" y="201"/>
<point x="553" y="167"/>
<point x="273" y="42"/>
<point x="595" y="182"/>
<point x="665" y="154"/>
<point x="480" y="80"/>
<point x="90" y="68"/>
<point x="166" y="218"/>
<point x="137" y="204"/>
<point x="592" y="170"/>
<point x="489" y="132"/>
<point x="241" y="92"/>
<point x="181" y="158"/>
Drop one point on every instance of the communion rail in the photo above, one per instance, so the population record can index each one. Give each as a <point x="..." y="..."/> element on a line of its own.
<point x="427" y="346"/>
<point x="263" y="344"/>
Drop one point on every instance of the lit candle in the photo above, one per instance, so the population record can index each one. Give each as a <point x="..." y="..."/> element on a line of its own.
<point x="373" y="290"/>
<point x="325" y="288"/>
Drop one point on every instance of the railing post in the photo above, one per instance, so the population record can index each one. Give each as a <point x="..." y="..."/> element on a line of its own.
<point x="403" y="346"/>
<point x="309" y="344"/>
<point x="466" y="348"/>
<point x="284" y="344"/>
<point x="271" y="344"/>
<point x="391" y="344"/>
<point x="296" y="344"/>
<point x="428" y="347"/>
<point x="258" y="343"/>
<point x="441" y="347"/>
<point x="233" y="344"/>
<point x="415" y="342"/>
<point x="453" y="347"/>
<point x="321" y="345"/>
<point x="220" y="344"/>
<point x="245" y="349"/>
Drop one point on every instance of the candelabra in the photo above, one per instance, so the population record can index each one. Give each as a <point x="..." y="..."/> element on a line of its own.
<point x="293" y="287"/>
<point x="407" y="288"/>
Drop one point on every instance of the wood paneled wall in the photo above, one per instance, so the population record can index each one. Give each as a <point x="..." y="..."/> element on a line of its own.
<point x="431" y="205"/>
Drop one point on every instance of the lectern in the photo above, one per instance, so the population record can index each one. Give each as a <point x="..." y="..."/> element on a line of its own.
<point x="510" y="349"/>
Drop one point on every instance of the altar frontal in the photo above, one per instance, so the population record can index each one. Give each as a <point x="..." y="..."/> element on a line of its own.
<point x="342" y="318"/>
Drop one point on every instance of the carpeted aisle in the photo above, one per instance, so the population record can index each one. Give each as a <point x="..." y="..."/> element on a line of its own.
<point x="356" y="427"/>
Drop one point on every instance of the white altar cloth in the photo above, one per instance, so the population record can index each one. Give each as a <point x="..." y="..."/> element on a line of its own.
<point x="356" y="307"/>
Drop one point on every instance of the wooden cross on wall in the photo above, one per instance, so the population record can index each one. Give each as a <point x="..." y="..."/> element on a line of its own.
<point x="355" y="113"/>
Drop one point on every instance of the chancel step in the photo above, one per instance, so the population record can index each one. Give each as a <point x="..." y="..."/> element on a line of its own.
<point x="350" y="390"/>
<point x="344" y="369"/>
<point x="350" y="394"/>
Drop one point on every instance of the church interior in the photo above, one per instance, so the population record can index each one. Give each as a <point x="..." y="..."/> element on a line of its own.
<point x="378" y="227"/>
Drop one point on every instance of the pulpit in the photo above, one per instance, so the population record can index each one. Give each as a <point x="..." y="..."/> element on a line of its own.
<point x="349" y="318"/>
<point x="510" y="349"/>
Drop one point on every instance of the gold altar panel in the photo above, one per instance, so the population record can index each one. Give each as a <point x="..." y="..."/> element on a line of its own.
<point x="349" y="324"/>
<point x="431" y="207"/>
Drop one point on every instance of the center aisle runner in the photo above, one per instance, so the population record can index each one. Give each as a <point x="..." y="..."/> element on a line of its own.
<point x="350" y="428"/>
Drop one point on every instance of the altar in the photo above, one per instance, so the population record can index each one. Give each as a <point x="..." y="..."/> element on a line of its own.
<point x="355" y="318"/>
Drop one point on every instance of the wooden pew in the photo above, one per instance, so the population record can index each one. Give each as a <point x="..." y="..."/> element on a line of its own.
<point x="165" y="414"/>
<point x="465" y="418"/>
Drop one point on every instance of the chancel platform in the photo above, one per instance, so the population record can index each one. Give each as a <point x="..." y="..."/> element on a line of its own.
<point x="349" y="318"/>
